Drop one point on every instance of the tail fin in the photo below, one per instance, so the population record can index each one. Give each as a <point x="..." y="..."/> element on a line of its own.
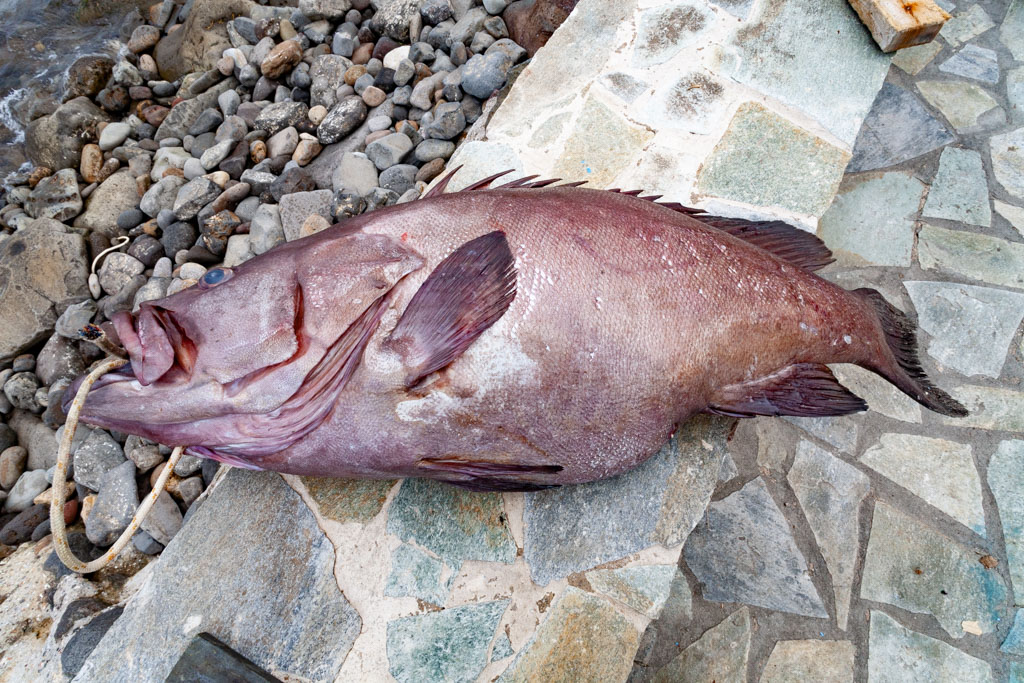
<point x="903" y="368"/>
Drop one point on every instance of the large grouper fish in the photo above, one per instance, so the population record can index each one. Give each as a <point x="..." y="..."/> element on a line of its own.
<point x="500" y="338"/>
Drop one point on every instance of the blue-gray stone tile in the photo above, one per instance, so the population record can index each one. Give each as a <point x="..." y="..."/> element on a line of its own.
<point x="975" y="62"/>
<point x="1014" y="642"/>
<point x="415" y="573"/>
<point x="960" y="189"/>
<point x="1006" y="479"/>
<point x="898" y="655"/>
<point x="898" y="128"/>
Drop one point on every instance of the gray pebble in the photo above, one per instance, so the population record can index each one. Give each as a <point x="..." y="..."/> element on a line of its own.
<point x="399" y="178"/>
<point x="29" y="485"/>
<point x="98" y="455"/>
<point x="115" y="505"/>
<point x="20" y="390"/>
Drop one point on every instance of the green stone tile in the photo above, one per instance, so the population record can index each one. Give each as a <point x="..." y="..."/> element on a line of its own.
<point x="965" y="25"/>
<point x="989" y="408"/>
<point x="348" y="500"/>
<point x="898" y="655"/>
<point x="453" y="523"/>
<point x="450" y="645"/>
<point x="765" y="160"/>
<point x="980" y="257"/>
<point x="720" y="655"/>
<point x="960" y="189"/>
<point x="913" y="59"/>
<point x="1008" y="161"/>
<point x="416" y="574"/>
<point x="1006" y="479"/>
<point x="810" y="660"/>
<point x="502" y="648"/>
<point x="959" y="101"/>
<point x="583" y="638"/>
<point x="645" y="589"/>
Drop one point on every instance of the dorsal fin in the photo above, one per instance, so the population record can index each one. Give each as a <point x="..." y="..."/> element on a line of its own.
<point x="467" y="293"/>
<point x="796" y="246"/>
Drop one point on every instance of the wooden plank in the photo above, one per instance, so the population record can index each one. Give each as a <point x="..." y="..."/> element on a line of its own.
<point x="895" y="24"/>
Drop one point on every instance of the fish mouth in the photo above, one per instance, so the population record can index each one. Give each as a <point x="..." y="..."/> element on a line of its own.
<point x="155" y="343"/>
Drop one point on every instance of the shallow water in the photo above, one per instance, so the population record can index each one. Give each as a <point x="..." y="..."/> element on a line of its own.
<point x="39" y="39"/>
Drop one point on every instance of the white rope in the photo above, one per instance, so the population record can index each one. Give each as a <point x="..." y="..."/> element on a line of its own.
<point x="57" y="528"/>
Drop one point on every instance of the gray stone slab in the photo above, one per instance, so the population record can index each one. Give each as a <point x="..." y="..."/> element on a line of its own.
<point x="989" y="408"/>
<point x="719" y="655"/>
<point x="450" y="645"/>
<point x="1015" y="93"/>
<point x="661" y="32"/>
<point x="914" y="567"/>
<point x="793" y="661"/>
<point x="898" y="128"/>
<point x="971" y="327"/>
<point x="1013" y="214"/>
<point x="941" y="472"/>
<point x="1014" y="642"/>
<point x="871" y="220"/>
<point x="959" y="191"/>
<point x="415" y="573"/>
<point x="962" y="103"/>
<point x="644" y="588"/>
<point x="1011" y="31"/>
<point x="455" y="524"/>
<point x="573" y="528"/>
<point x="914" y="59"/>
<point x="744" y="552"/>
<point x="847" y="69"/>
<point x="746" y="164"/>
<point x="830" y="492"/>
<point x="975" y="62"/>
<point x="990" y="259"/>
<point x="898" y="655"/>
<point x="841" y="432"/>
<point x="967" y="24"/>
<point x="1006" y="480"/>
<point x="253" y="569"/>
<point x="1008" y="161"/>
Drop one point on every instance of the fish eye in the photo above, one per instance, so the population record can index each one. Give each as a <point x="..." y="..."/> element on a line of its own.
<point x="214" y="277"/>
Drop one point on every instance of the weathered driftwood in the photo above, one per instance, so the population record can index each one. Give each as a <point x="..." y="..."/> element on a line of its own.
<point x="896" y="24"/>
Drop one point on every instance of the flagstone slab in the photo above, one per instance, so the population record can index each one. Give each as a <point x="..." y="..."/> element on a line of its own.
<point x="881" y="395"/>
<point x="450" y="645"/>
<point x="719" y="655"/>
<point x="962" y="103"/>
<point x="989" y="408"/>
<point x="840" y="432"/>
<point x="744" y="552"/>
<point x="966" y="25"/>
<point x="251" y="553"/>
<point x="871" y="220"/>
<point x="645" y="588"/>
<point x="583" y="638"/>
<point x="913" y="59"/>
<point x="971" y="327"/>
<point x="1011" y="31"/>
<point x="898" y="128"/>
<point x="1008" y="161"/>
<point x="980" y="257"/>
<point x="415" y="573"/>
<point x="898" y="655"/>
<point x="1014" y="642"/>
<point x="830" y="492"/>
<point x="939" y="471"/>
<point x="975" y="62"/>
<point x="912" y="566"/>
<point x="348" y="500"/>
<point x="810" y="660"/>
<point x="1013" y="214"/>
<point x="959" y="191"/>
<point x="1006" y="480"/>
<point x="574" y="528"/>
<point x="1015" y="93"/>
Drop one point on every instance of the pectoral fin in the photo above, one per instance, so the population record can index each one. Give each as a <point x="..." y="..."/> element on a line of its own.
<point x="467" y="293"/>
<point x="488" y="475"/>
<point x="801" y="390"/>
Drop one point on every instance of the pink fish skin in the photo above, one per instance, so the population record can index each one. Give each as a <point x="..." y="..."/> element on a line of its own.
<point x="512" y="338"/>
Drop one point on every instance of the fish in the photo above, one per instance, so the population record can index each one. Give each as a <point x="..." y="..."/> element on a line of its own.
<point x="508" y="337"/>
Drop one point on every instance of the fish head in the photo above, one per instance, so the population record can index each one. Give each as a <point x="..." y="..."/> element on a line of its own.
<point x="242" y="342"/>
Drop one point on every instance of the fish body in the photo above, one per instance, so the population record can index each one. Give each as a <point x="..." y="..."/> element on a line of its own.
<point x="501" y="339"/>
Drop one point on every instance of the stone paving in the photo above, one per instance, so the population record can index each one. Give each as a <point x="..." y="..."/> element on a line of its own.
<point x="882" y="546"/>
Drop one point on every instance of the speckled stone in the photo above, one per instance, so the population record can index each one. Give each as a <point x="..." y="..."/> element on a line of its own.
<point x="663" y="31"/>
<point x="450" y="645"/>
<point x="455" y="524"/>
<point x="415" y="573"/>
<point x="898" y="655"/>
<point x="348" y="500"/>
<point x="971" y="327"/>
<point x="980" y="257"/>
<point x="720" y="655"/>
<point x="1013" y="214"/>
<point x="1006" y="479"/>
<point x="502" y="648"/>
<point x="960" y="189"/>
<point x="600" y="639"/>
<point x="897" y="128"/>
<point x="914" y="567"/>
<point x="830" y="492"/>
<point x="871" y="221"/>
<point x="962" y="103"/>
<point x="267" y="589"/>
<point x="644" y="588"/>
<point x="765" y="568"/>
<point x="939" y="471"/>
<point x="1008" y="161"/>
<point x="882" y="397"/>
<point x="989" y="408"/>
<point x="574" y="528"/>
<point x="810" y="660"/>
<point x="746" y="166"/>
<point x="841" y="432"/>
<point x="847" y="69"/>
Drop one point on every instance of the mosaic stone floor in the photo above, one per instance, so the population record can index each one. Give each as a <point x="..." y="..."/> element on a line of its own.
<point x="883" y="546"/>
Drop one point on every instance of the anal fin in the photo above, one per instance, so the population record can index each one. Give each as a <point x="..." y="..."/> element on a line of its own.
<point x="467" y="293"/>
<point x="801" y="390"/>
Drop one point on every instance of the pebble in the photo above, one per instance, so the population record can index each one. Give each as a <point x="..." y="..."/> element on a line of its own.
<point x="428" y="150"/>
<point x="113" y="135"/>
<point x="193" y="196"/>
<point x="99" y="454"/>
<point x="430" y="170"/>
<point x="115" y="504"/>
<point x="341" y="120"/>
<point x="399" y="178"/>
<point x="92" y="163"/>
<point x="29" y="485"/>
<point x="59" y="360"/>
<point x="20" y="529"/>
<point x="306" y="151"/>
<point x="217" y="153"/>
<point x="283" y="143"/>
<point x="389" y="150"/>
<point x="164" y="519"/>
<point x="118" y="270"/>
<point x="12" y="465"/>
<point x="374" y="96"/>
<point x="20" y="390"/>
<point x="177" y="236"/>
<point x="228" y="102"/>
<point x="317" y="114"/>
<point x="8" y="438"/>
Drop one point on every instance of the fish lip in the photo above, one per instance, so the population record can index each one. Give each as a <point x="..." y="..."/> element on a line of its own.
<point x="150" y="345"/>
<point x="122" y="374"/>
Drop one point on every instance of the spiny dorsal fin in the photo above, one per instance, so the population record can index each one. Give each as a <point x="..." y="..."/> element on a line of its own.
<point x="796" y="246"/>
<point x="802" y="390"/>
<point x="467" y="293"/>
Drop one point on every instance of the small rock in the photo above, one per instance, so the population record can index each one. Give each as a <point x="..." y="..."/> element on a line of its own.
<point x="283" y="143"/>
<point x="29" y="485"/>
<point x="306" y="151"/>
<point x="212" y="157"/>
<point x="59" y="360"/>
<point x="399" y="178"/>
<point x="178" y="236"/>
<point x="92" y="163"/>
<point x="280" y="115"/>
<point x="428" y="150"/>
<point x="113" y="135"/>
<point x="193" y="196"/>
<point x="20" y="529"/>
<point x="164" y="519"/>
<point x="346" y="204"/>
<point x="118" y="270"/>
<point x="143" y="38"/>
<point x="115" y="505"/>
<point x="341" y="120"/>
<point x="207" y="121"/>
<point x="281" y="59"/>
<point x="374" y="96"/>
<point x="12" y="465"/>
<point x="389" y="150"/>
<point x="265" y="230"/>
<point x="356" y="174"/>
<point x="294" y="179"/>
<point x="55" y="197"/>
<point x="20" y="389"/>
<point x="228" y="102"/>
